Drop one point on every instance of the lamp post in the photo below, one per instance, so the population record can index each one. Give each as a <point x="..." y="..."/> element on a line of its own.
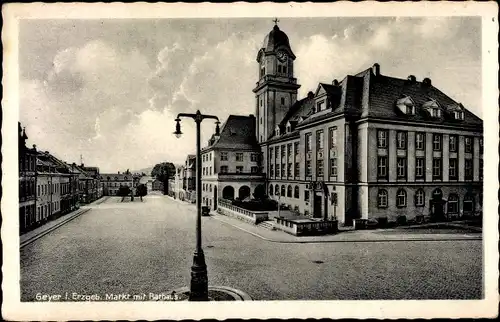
<point x="199" y="279"/>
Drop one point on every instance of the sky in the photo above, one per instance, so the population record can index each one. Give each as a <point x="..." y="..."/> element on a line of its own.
<point x="109" y="90"/>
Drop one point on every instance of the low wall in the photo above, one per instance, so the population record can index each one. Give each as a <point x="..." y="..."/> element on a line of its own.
<point x="309" y="228"/>
<point x="227" y="209"/>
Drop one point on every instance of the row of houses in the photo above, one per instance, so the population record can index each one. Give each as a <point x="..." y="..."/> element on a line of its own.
<point x="50" y="187"/>
<point x="368" y="146"/>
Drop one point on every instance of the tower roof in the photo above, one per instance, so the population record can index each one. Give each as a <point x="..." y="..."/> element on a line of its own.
<point x="275" y="39"/>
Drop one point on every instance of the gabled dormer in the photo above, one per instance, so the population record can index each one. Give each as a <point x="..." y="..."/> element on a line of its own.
<point x="433" y="109"/>
<point x="406" y="105"/>
<point x="277" y="130"/>
<point x="456" y="111"/>
<point x="288" y="127"/>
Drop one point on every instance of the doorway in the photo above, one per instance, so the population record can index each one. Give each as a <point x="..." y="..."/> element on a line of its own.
<point x="215" y="197"/>
<point x="317" y="206"/>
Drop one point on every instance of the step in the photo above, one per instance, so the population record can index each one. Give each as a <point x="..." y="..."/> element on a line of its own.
<point x="268" y="224"/>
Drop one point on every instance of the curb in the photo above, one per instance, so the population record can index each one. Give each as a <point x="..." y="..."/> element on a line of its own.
<point x="234" y="293"/>
<point x="68" y="219"/>
<point x="348" y="241"/>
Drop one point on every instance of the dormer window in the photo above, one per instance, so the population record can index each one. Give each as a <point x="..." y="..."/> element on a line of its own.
<point x="456" y="112"/>
<point x="320" y="106"/>
<point x="433" y="109"/>
<point x="288" y="127"/>
<point x="406" y="105"/>
<point x="277" y="130"/>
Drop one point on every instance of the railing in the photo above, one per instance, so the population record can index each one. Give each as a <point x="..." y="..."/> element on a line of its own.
<point x="225" y="207"/>
<point x="306" y="228"/>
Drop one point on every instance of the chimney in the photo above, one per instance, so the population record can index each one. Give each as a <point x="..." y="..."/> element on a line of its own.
<point x="427" y="81"/>
<point x="335" y="82"/>
<point x="412" y="79"/>
<point x="310" y="95"/>
<point x="376" y="69"/>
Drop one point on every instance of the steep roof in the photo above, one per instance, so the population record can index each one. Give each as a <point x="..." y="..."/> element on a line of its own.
<point x="238" y="132"/>
<point x="385" y="92"/>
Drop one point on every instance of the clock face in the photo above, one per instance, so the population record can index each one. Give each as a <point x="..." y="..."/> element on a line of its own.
<point x="282" y="56"/>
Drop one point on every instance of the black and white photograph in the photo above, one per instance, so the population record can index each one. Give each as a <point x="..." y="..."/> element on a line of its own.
<point x="285" y="160"/>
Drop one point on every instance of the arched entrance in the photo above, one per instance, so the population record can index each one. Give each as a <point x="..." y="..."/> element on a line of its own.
<point x="437" y="205"/>
<point x="228" y="193"/>
<point x="244" y="192"/>
<point x="215" y="197"/>
<point x="259" y="192"/>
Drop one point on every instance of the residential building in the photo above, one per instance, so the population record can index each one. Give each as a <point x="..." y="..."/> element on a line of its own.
<point x="111" y="182"/>
<point x="27" y="182"/>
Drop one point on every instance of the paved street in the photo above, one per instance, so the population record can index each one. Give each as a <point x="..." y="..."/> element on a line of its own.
<point x="147" y="248"/>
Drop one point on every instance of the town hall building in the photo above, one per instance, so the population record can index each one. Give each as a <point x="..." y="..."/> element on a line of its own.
<point x="368" y="146"/>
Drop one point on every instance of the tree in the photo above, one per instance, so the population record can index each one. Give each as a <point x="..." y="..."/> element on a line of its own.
<point x="162" y="172"/>
<point x="142" y="190"/>
<point x="123" y="192"/>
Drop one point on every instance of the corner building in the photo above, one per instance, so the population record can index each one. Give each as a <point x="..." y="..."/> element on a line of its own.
<point x="368" y="146"/>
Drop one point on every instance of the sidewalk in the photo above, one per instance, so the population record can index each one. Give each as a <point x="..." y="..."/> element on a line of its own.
<point x="43" y="230"/>
<point x="380" y="235"/>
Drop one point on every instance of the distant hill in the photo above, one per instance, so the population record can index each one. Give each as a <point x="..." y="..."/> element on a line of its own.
<point x="147" y="171"/>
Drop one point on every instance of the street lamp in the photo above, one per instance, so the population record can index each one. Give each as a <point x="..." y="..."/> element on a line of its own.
<point x="199" y="278"/>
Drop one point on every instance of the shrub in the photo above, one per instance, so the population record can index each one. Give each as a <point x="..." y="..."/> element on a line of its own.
<point x="401" y="220"/>
<point x="382" y="222"/>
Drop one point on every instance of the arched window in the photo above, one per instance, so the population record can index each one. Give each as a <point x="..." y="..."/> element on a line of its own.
<point x="283" y="190"/>
<point x="437" y="194"/>
<point x="296" y="192"/>
<point x="468" y="205"/>
<point x="420" y="198"/>
<point x="289" y="192"/>
<point x="401" y="198"/>
<point x="453" y="204"/>
<point x="382" y="198"/>
<point x="277" y="190"/>
<point x="271" y="192"/>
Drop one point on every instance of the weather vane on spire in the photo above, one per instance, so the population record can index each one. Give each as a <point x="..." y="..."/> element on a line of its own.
<point x="276" y="20"/>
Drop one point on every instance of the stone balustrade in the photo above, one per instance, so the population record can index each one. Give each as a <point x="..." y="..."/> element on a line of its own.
<point x="306" y="227"/>
<point x="225" y="207"/>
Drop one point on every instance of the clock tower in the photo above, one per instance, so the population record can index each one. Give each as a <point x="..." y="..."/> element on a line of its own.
<point x="276" y="89"/>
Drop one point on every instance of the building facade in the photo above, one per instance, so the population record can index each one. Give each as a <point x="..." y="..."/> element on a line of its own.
<point x="369" y="146"/>
<point x="111" y="182"/>
<point x="27" y="182"/>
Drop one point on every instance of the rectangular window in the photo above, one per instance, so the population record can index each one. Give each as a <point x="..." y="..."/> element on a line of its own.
<point x="437" y="168"/>
<point x="283" y="151"/>
<point x="210" y="157"/>
<point x="468" y="144"/>
<point x="306" y="195"/>
<point x="333" y="137"/>
<point x="278" y="170"/>
<point x="254" y="169"/>
<point x="282" y="101"/>
<point x="308" y="142"/>
<point x="319" y="168"/>
<point x="271" y="153"/>
<point x="272" y="170"/>
<point x="289" y="170"/>
<point x="453" y="169"/>
<point x="333" y="167"/>
<point x="320" y="106"/>
<point x="210" y="171"/>
<point x="481" y="169"/>
<point x="223" y="169"/>
<point x="453" y="143"/>
<point x="308" y="168"/>
<point x="481" y="147"/>
<point x="239" y="169"/>
<point x="277" y="152"/>
<point x="382" y="167"/>
<point x="283" y="169"/>
<point x="319" y="140"/>
<point x="239" y="157"/>
<point x="382" y="138"/>
<point x="401" y="162"/>
<point x="289" y="150"/>
<point x="296" y="148"/>
<point x="436" y="142"/>
<point x="297" y="169"/>
<point x="254" y="157"/>
<point x="468" y="169"/>
<point x="401" y="140"/>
